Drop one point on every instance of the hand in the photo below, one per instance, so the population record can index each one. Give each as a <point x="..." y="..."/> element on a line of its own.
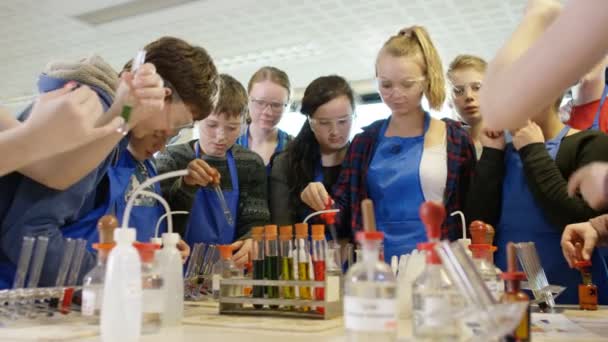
<point x="67" y="117"/>
<point x="528" y="134"/>
<point x="575" y="234"/>
<point x="590" y="181"/>
<point x="143" y="91"/>
<point x="315" y="196"/>
<point x="184" y="250"/>
<point x="200" y="173"/>
<point x="244" y="248"/>
<point x="492" y="139"/>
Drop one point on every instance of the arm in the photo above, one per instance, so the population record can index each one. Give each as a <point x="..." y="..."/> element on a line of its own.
<point x="543" y="57"/>
<point x="281" y="209"/>
<point x="483" y="200"/>
<point x="549" y="186"/>
<point x="149" y="96"/>
<point x="253" y="196"/>
<point x="600" y="224"/>
<point x="591" y="86"/>
<point x="179" y="194"/>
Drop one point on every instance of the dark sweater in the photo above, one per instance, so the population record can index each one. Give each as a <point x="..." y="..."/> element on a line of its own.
<point x="285" y="205"/>
<point x="547" y="179"/>
<point x="253" y="191"/>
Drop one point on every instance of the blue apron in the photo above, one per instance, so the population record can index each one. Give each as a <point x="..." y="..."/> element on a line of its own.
<point x="522" y="220"/>
<point x="207" y="222"/>
<point x="243" y="140"/>
<point x="596" y="119"/>
<point x="143" y="218"/>
<point x="393" y="182"/>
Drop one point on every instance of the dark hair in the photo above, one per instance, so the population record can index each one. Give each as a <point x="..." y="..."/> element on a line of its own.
<point x="190" y="71"/>
<point x="233" y="97"/>
<point x="303" y="152"/>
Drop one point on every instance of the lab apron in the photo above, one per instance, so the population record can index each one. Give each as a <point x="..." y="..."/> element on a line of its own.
<point x="393" y="182"/>
<point x="522" y="220"/>
<point x="244" y="141"/>
<point x="207" y="222"/>
<point x="143" y="218"/>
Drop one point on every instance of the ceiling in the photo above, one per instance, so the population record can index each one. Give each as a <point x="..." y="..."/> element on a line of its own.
<point x="305" y="38"/>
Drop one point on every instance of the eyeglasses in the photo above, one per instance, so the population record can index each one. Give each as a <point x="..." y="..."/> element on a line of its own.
<point x="387" y="87"/>
<point x="262" y="104"/>
<point x="327" y="124"/>
<point x="459" y="90"/>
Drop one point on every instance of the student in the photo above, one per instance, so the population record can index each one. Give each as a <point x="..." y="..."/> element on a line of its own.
<point x="588" y="107"/>
<point x="317" y="152"/>
<point x="521" y="188"/>
<point x="269" y="91"/>
<point x="465" y="75"/>
<point x="524" y="77"/>
<point x="38" y="210"/>
<point x="432" y="159"/>
<point x="214" y="159"/>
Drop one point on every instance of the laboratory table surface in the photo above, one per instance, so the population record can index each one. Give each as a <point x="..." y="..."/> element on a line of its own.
<point x="202" y="322"/>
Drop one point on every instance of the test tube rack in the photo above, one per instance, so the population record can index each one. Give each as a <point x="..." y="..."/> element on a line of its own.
<point x="244" y="305"/>
<point x="544" y="293"/>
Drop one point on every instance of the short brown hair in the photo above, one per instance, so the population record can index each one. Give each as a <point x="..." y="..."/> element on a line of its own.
<point x="190" y="71"/>
<point x="272" y="74"/>
<point x="415" y="41"/>
<point x="467" y="62"/>
<point x="233" y="97"/>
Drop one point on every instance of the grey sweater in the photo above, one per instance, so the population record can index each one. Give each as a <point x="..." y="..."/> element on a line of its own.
<point x="253" y="191"/>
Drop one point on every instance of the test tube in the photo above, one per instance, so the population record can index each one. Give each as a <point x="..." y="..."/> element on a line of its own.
<point x="225" y="209"/>
<point x="64" y="267"/>
<point x="81" y="245"/>
<point x="303" y="259"/>
<point x="257" y="234"/>
<point x="271" y="261"/>
<point x="42" y="243"/>
<point x="286" y="246"/>
<point x="27" y="246"/>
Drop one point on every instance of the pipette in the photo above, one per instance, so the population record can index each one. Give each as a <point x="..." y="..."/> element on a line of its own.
<point x="138" y="61"/>
<point x="225" y="209"/>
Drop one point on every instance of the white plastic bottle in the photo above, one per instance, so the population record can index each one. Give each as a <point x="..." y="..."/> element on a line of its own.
<point x="170" y="261"/>
<point x="122" y="300"/>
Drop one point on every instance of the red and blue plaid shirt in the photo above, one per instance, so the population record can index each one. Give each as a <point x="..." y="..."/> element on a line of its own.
<point x="351" y="188"/>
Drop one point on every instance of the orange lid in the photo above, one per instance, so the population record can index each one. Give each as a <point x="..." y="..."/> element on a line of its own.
<point x="286" y="233"/>
<point x="582" y="263"/>
<point x="257" y="233"/>
<point x="104" y="246"/>
<point x="225" y="251"/>
<point x="375" y="236"/>
<point x="481" y="250"/>
<point x="301" y="230"/>
<point x="318" y="232"/>
<point x="270" y="231"/>
<point x="146" y="250"/>
<point x="431" y="254"/>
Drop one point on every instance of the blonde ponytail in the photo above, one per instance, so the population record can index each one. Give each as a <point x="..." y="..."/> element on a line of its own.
<point x="416" y="40"/>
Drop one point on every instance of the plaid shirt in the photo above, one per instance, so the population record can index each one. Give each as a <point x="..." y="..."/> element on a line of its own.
<point x="351" y="188"/>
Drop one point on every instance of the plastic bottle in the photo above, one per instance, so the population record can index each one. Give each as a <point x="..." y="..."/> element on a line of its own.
<point x="170" y="262"/>
<point x="121" y="311"/>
